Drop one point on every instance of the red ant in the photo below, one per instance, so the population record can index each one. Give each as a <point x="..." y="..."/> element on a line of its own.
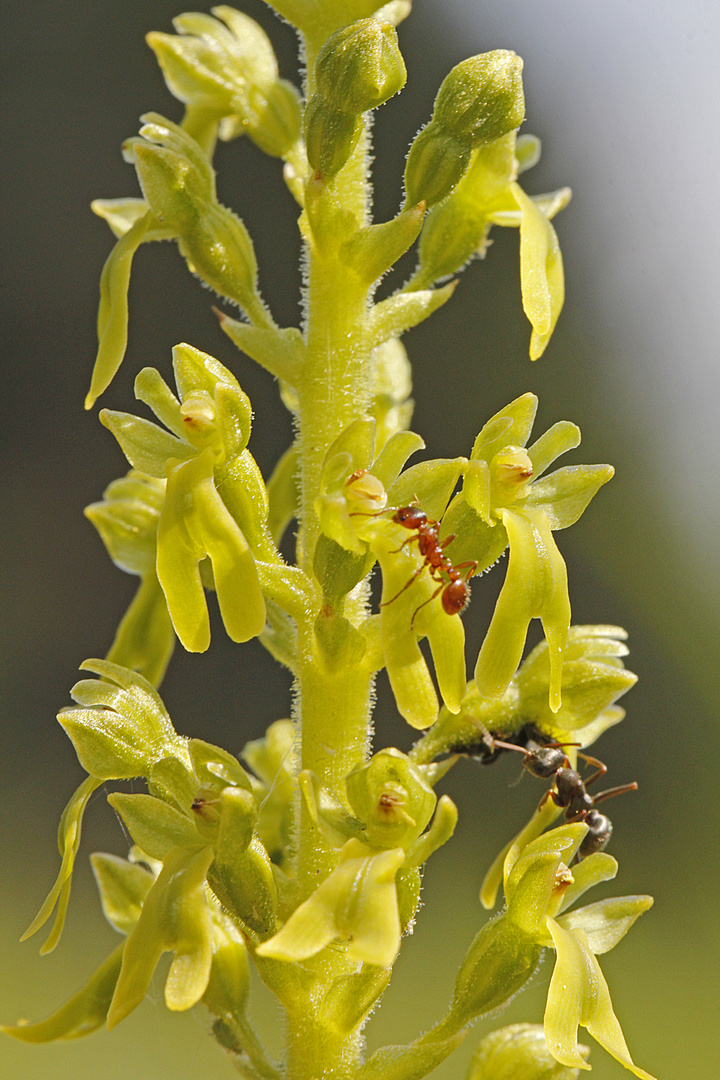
<point x="452" y="584"/>
<point x="570" y="790"/>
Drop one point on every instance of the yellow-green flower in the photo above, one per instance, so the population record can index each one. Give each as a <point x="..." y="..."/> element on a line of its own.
<point x="371" y="896"/>
<point x="505" y="500"/>
<point x="539" y="888"/>
<point x="593" y="678"/>
<point x="202" y="455"/>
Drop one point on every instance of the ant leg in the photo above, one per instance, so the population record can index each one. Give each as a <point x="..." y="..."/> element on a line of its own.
<point x="437" y="592"/>
<point x="448" y="540"/>
<point x="601" y="769"/>
<point x="613" y="791"/>
<point x="472" y="567"/>
<point x="396" y="551"/>
<point x="499" y="744"/>
<point x="550" y="794"/>
<point x="373" y="513"/>
<point x="405" y="586"/>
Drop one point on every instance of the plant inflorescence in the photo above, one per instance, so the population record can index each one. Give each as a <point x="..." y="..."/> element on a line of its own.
<point x="305" y="861"/>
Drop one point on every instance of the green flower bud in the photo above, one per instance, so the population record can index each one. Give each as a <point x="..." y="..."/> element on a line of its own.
<point x="437" y="161"/>
<point x="276" y="124"/>
<point x="331" y="135"/>
<point x="499" y="962"/>
<point x="179" y="185"/>
<point x="392" y="798"/>
<point x="519" y="1052"/>
<point x="219" y="250"/>
<point x="482" y="98"/>
<point x="360" y="67"/>
<point x="241" y="874"/>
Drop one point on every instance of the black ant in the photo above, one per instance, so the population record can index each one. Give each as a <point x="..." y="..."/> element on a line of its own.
<point x="546" y="760"/>
<point x="453" y="585"/>
<point x="570" y="790"/>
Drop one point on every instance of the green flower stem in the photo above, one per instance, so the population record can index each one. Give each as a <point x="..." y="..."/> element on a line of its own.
<point x="417" y="1059"/>
<point x="319" y="1049"/>
<point x="334" y="707"/>
<point x="249" y="1046"/>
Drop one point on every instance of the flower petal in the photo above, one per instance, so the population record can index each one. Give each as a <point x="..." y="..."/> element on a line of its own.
<point x="608" y="921"/>
<point x="556" y="441"/>
<point x="510" y="426"/>
<point x="565" y="494"/>
<point x="68" y="842"/>
<point x="572" y="992"/>
<point x="578" y="994"/>
<point x="176" y="917"/>
<point x="535" y="585"/>
<point x="113" y="310"/>
<point x="541" y="272"/>
<point x="357" y="903"/>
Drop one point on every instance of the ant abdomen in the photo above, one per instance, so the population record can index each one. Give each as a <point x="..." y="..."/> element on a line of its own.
<point x="455" y="597"/>
<point x="599" y="832"/>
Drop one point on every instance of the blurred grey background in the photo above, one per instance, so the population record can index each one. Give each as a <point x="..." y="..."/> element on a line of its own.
<point x="625" y="98"/>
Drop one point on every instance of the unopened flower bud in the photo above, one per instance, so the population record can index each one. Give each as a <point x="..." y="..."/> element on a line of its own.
<point x="519" y="1052"/>
<point x="330" y="135"/>
<point x="436" y="163"/>
<point x="482" y="97"/>
<point x="360" y="67"/>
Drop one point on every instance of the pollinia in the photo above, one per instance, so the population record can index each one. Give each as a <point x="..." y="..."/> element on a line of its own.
<point x="304" y="858"/>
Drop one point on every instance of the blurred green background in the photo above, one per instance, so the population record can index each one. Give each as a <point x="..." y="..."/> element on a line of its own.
<point x="624" y="99"/>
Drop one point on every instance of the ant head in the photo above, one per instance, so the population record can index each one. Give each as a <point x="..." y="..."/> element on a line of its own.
<point x="411" y="517"/>
<point x="544" y="761"/>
